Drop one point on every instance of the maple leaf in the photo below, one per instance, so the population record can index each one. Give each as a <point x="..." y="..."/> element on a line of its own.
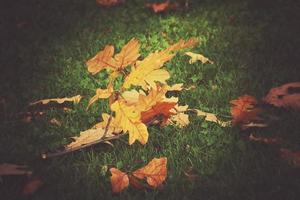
<point x="287" y="96"/>
<point x="243" y="109"/>
<point x="101" y="94"/>
<point x="119" y="180"/>
<point x="155" y="172"/>
<point x="88" y="136"/>
<point x="104" y="59"/>
<point x="195" y="57"/>
<point x="75" y="99"/>
<point x="128" y="118"/>
<point x="13" y="169"/>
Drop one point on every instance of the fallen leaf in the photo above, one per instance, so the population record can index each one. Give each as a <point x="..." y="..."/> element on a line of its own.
<point x="113" y="125"/>
<point x="292" y="157"/>
<point x="135" y="182"/>
<point x="13" y="169"/>
<point x="175" y="87"/>
<point x="159" y="7"/>
<point x="101" y="94"/>
<point x="155" y="172"/>
<point x="210" y="117"/>
<point x="75" y="99"/>
<point x="180" y="119"/>
<point x="88" y="136"/>
<point x="32" y="186"/>
<point x="195" y="57"/>
<point x="128" y="118"/>
<point x="243" y="110"/>
<point x="119" y="180"/>
<point x="161" y="109"/>
<point x="287" y="96"/>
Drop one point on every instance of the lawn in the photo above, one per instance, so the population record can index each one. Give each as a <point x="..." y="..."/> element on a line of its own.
<point x="44" y="48"/>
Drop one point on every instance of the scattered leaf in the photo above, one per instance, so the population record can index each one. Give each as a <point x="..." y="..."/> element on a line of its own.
<point x="161" y="109"/>
<point x="101" y="94"/>
<point x="210" y="117"/>
<point x="32" y="186"/>
<point x="159" y="7"/>
<point x="75" y="99"/>
<point x="155" y="172"/>
<point x="119" y="180"/>
<point x="195" y="57"/>
<point x="287" y="96"/>
<point x="113" y="125"/>
<point x="12" y="169"/>
<point x="243" y="110"/>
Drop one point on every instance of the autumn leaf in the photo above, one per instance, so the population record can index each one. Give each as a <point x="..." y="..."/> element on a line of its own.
<point x="113" y="125"/>
<point x="145" y="102"/>
<point x="13" y="169"/>
<point x="210" y="117"/>
<point x="119" y="180"/>
<point x="243" y="109"/>
<point x="155" y="172"/>
<point x="128" y="118"/>
<point x="159" y="7"/>
<point x="101" y="94"/>
<point x="182" y="44"/>
<point x="32" y="186"/>
<point x="287" y="96"/>
<point x="160" y="109"/>
<point x="88" y="136"/>
<point x="180" y="118"/>
<point x="75" y="99"/>
<point x="195" y="57"/>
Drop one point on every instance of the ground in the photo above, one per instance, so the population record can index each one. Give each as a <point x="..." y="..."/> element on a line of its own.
<point x="45" y="44"/>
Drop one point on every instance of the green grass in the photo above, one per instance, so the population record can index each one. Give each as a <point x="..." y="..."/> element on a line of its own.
<point x="44" y="47"/>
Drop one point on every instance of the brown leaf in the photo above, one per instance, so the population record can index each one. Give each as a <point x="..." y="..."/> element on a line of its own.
<point x="155" y="172"/>
<point x="287" y="96"/>
<point x="160" y="109"/>
<point x="32" y="186"/>
<point x="159" y="7"/>
<point x="12" y="169"/>
<point x="75" y="99"/>
<point x="119" y="180"/>
<point x="243" y="110"/>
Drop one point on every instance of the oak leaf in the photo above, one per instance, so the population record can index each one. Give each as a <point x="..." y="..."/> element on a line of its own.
<point x="243" y="109"/>
<point x="88" y="136"/>
<point x="160" y="109"/>
<point x="113" y="125"/>
<point x="74" y="99"/>
<point x="119" y="180"/>
<point x="287" y="96"/>
<point x="101" y="94"/>
<point x="195" y="57"/>
<point x="128" y="118"/>
<point x="155" y="172"/>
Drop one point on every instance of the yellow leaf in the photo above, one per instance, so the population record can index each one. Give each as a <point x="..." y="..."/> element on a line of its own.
<point x="113" y="125"/>
<point x="176" y="87"/>
<point x="119" y="180"/>
<point x="131" y="97"/>
<point x="128" y="117"/>
<point x="75" y="99"/>
<point x="211" y="118"/>
<point x="180" y="119"/>
<point x="145" y="102"/>
<point x="88" y="136"/>
<point x="195" y="57"/>
<point x="101" y="94"/>
<point x="101" y="60"/>
<point x="155" y="172"/>
<point x="147" y="72"/>
<point x="128" y="55"/>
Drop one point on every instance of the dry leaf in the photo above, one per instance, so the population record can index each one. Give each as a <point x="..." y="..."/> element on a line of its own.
<point x="195" y="57"/>
<point x="176" y="87"/>
<point x="101" y="94"/>
<point x="210" y="117"/>
<point x="155" y="172"/>
<point x="292" y="157"/>
<point x="160" y="109"/>
<point x="243" y="110"/>
<point x="287" y="96"/>
<point x="12" y="169"/>
<point x="88" y="136"/>
<point x="135" y="182"/>
<point x="75" y="99"/>
<point x="180" y="119"/>
<point x="119" y="180"/>
<point x="32" y="186"/>
<point x="159" y="7"/>
<point x="128" y="117"/>
<point x="113" y="125"/>
<point x="145" y="102"/>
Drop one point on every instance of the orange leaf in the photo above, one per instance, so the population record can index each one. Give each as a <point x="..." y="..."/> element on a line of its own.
<point x="287" y="96"/>
<point x="159" y="7"/>
<point x="32" y="186"/>
<point x="119" y="180"/>
<point x="243" y="109"/>
<point x="155" y="172"/>
<point x="159" y="109"/>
